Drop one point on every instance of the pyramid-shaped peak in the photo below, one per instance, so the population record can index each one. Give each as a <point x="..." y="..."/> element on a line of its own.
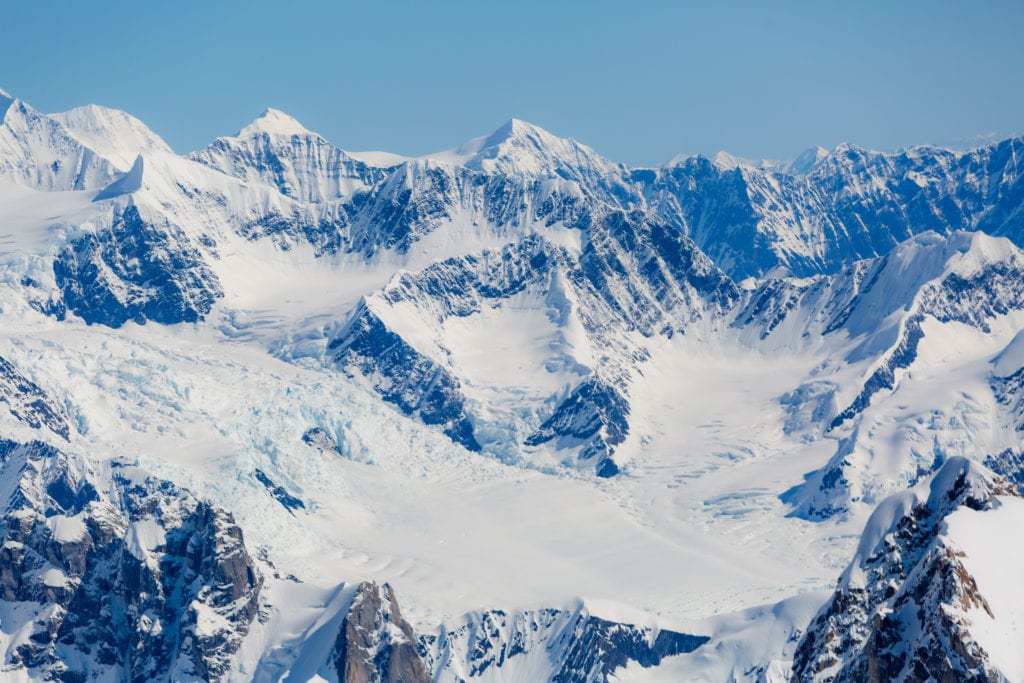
<point x="128" y="183"/>
<point x="274" y="122"/>
<point x="517" y="129"/>
<point x="524" y="149"/>
<point x="519" y="148"/>
<point x="806" y="160"/>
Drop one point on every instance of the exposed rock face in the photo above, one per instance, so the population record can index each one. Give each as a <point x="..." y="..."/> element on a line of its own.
<point x="885" y="307"/>
<point x="375" y="644"/>
<point x="851" y="203"/>
<point x="403" y="376"/>
<point x="899" y="612"/>
<point x="634" y="278"/>
<point x="127" y="578"/>
<point x="594" y="415"/>
<point x="559" y="646"/>
<point x="136" y="271"/>
<point x="29" y="403"/>
<point x="276" y="149"/>
<point x="280" y="494"/>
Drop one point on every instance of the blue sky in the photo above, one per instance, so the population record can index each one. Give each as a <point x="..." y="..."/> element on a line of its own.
<point x="638" y="81"/>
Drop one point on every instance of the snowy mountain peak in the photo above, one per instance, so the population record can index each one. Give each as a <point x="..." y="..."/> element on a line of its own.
<point x="517" y="129"/>
<point x="522" y="149"/>
<point x="274" y="122"/>
<point x="277" y="150"/>
<point x="39" y="152"/>
<point x="845" y="147"/>
<point x="846" y="151"/>
<point x="806" y="160"/>
<point x="728" y="162"/>
<point x="113" y="134"/>
<point x="126" y="184"/>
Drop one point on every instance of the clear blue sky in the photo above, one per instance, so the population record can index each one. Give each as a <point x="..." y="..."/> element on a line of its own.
<point x="639" y="81"/>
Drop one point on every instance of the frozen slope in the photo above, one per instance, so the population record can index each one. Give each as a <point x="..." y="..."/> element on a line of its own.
<point x="501" y="380"/>
<point x="113" y="134"/>
<point x="926" y="595"/>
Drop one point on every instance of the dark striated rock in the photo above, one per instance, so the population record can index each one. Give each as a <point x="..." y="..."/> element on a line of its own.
<point x="403" y="376"/>
<point x="645" y="274"/>
<point x="29" y="403"/>
<point x="600" y="647"/>
<point x="897" y="613"/>
<point x="633" y="275"/>
<point x="573" y="646"/>
<point x="375" y="644"/>
<point x="594" y="415"/>
<point x="137" y="271"/>
<point x="280" y="494"/>
<point x="128" y="578"/>
<point x="850" y="204"/>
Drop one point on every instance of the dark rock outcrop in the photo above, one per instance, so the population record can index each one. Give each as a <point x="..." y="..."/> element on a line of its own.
<point x="136" y="270"/>
<point x="29" y="403"/>
<point x="897" y="613"/>
<point x="375" y="644"/>
<point x="280" y="494"/>
<point x="571" y="646"/>
<point x="594" y="415"/>
<point x="128" y="578"/>
<point x="403" y="376"/>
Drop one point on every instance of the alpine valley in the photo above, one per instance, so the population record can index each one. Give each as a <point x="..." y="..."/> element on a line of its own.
<point x="275" y="411"/>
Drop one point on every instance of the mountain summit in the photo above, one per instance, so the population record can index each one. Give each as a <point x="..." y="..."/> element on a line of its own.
<point x="250" y="395"/>
<point x="523" y="150"/>
<point x="274" y="122"/>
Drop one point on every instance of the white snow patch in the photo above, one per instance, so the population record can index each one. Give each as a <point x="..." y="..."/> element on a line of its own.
<point x="995" y="565"/>
<point x="1010" y="359"/>
<point x="379" y="159"/>
<point x="143" y="537"/>
<point x="66" y="529"/>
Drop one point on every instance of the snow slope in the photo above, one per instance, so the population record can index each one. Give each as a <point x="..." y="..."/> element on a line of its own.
<point x="504" y="377"/>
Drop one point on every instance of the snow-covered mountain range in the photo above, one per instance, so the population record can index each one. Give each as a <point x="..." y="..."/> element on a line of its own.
<point x="276" y="411"/>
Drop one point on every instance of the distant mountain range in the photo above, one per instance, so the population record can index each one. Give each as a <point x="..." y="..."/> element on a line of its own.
<point x="204" y="354"/>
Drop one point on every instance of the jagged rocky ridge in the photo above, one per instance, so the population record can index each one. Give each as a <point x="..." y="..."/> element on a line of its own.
<point x="635" y="268"/>
<point x="662" y="283"/>
<point x="611" y="257"/>
<point x="903" y="610"/>
<point x="375" y="644"/>
<point x="883" y="305"/>
<point x="555" y="645"/>
<point x="117" y="575"/>
<point x="29" y="403"/>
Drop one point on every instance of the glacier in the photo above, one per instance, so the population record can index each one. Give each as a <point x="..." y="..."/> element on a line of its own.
<point x="509" y="412"/>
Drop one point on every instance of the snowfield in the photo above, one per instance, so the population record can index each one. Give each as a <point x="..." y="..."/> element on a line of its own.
<point x="518" y="383"/>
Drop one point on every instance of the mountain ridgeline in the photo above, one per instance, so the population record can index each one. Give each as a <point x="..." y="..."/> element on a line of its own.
<point x="504" y="304"/>
<point x="614" y="254"/>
